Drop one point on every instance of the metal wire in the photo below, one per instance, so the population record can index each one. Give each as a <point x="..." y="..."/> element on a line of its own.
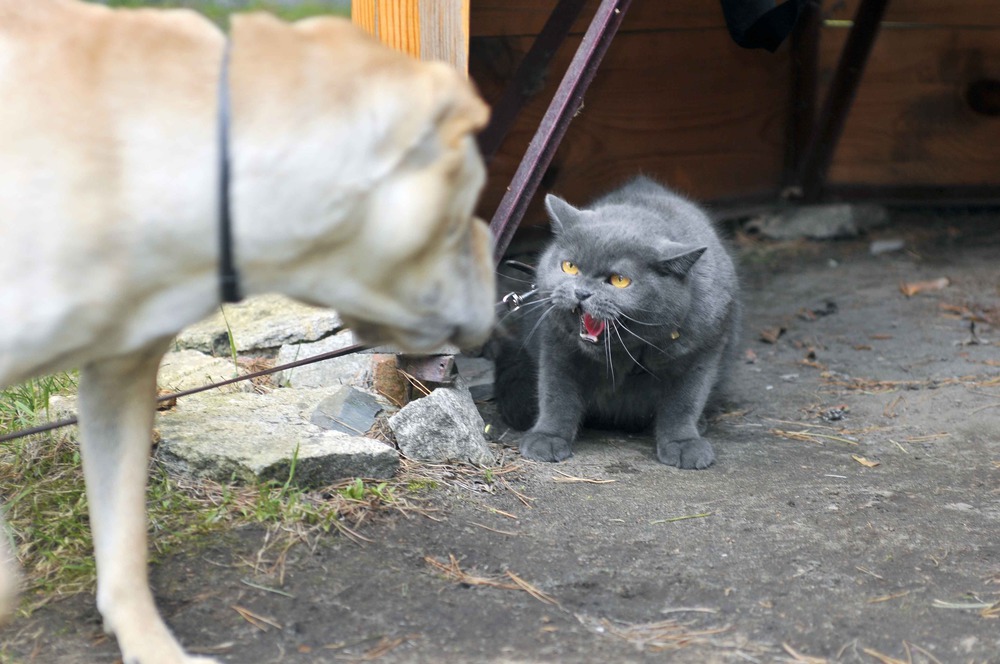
<point x="51" y="426"/>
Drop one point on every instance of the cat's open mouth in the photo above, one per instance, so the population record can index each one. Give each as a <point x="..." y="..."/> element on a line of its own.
<point x="591" y="328"/>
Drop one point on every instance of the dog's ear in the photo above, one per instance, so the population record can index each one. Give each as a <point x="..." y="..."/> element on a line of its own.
<point x="461" y="111"/>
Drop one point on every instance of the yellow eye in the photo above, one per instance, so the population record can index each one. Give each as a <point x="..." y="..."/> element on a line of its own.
<point x="569" y="267"/>
<point x="618" y="281"/>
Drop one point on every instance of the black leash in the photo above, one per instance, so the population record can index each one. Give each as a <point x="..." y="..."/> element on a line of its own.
<point x="229" y="278"/>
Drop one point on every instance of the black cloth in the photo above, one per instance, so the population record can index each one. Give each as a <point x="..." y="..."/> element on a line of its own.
<point x="759" y="23"/>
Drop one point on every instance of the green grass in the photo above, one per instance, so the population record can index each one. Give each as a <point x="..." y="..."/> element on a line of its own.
<point x="26" y="405"/>
<point x="46" y="507"/>
<point x="219" y="12"/>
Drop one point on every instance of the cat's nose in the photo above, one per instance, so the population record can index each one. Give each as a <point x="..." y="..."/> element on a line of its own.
<point x="582" y="294"/>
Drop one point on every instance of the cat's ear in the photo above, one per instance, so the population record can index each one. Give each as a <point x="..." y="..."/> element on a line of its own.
<point x="679" y="260"/>
<point x="562" y="214"/>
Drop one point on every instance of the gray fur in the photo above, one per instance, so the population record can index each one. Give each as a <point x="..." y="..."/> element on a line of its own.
<point x="637" y="376"/>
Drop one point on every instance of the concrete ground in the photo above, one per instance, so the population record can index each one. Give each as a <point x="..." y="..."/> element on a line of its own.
<point x="852" y="515"/>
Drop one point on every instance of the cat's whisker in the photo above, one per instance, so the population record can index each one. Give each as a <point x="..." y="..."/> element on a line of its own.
<point x="522" y="308"/>
<point x="535" y="328"/>
<point x="517" y="279"/>
<point x="645" y="341"/>
<point x="640" y="322"/>
<point x="614" y="326"/>
<point x="607" y="356"/>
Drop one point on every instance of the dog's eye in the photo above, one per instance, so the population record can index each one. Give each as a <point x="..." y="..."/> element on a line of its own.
<point x="569" y="267"/>
<point x="618" y="281"/>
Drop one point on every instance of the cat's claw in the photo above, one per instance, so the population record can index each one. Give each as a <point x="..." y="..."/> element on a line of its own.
<point x="545" y="447"/>
<point x="695" y="453"/>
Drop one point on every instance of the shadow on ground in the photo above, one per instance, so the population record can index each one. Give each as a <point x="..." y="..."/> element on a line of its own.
<point x="852" y="514"/>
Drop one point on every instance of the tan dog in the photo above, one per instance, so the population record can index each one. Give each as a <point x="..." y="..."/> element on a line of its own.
<point x="354" y="175"/>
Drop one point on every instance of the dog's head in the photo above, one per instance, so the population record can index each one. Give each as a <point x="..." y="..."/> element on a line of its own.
<point x="372" y="174"/>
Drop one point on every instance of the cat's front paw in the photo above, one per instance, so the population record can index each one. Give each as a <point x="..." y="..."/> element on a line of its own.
<point x="695" y="453"/>
<point x="545" y="447"/>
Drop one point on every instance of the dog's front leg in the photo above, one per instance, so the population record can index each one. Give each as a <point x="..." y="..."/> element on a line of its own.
<point x="116" y="420"/>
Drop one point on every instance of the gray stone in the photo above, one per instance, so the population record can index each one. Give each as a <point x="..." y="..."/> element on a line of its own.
<point x="477" y="374"/>
<point x="187" y="369"/>
<point x="264" y="322"/>
<point x="443" y="426"/>
<point x="348" y="410"/>
<point x="249" y="436"/>
<point x="328" y="373"/>
<point x="879" y="247"/>
<point x="821" y="222"/>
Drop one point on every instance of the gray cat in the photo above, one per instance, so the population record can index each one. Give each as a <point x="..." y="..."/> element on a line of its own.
<point x="635" y="325"/>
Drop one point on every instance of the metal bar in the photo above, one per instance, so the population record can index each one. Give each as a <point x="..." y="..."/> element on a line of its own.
<point x="564" y="105"/>
<point x="519" y="89"/>
<point x="839" y="98"/>
<point x="429" y="368"/>
<point x="804" y="64"/>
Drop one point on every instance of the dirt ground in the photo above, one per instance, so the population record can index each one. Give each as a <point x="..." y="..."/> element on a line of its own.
<point x="852" y="515"/>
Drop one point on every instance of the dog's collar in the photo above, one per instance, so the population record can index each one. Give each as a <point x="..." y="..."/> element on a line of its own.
<point x="229" y="278"/>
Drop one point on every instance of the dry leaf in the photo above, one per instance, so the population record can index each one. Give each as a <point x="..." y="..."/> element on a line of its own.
<point x="166" y="404"/>
<point x="750" y="357"/>
<point x="867" y="463"/>
<point x="915" y="287"/>
<point x="771" y="334"/>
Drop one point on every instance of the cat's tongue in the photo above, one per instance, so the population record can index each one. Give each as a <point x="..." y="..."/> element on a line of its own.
<point x="592" y="328"/>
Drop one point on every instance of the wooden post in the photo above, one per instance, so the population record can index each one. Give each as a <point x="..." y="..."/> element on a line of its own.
<point x="425" y="29"/>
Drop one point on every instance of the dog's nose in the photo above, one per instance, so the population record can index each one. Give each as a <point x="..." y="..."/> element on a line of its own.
<point x="582" y="294"/>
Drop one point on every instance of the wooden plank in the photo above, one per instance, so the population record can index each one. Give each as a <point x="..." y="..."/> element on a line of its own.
<point x="363" y="15"/>
<point x="395" y="23"/>
<point x="399" y="25"/>
<point x="425" y="29"/>
<point x="926" y="12"/>
<point x="689" y="107"/>
<point x="911" y="123"/>
<point x="444" y="32"/>
<point x="526" y="17"/>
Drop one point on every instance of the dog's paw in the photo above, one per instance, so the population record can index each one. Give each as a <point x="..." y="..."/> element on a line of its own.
<point x="159" y="646"/>
<point x="545" y="447"/>
<point x="695" y="453"/>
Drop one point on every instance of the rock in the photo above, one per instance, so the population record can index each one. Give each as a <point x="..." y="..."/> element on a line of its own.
<point x="821" y="222"/>
<point x="348" y="410"/>
<point x="61" y="407"/>
<point x="886" y="246"/>
<point x="477" y="374"/>
<point x="264" y="322"/>
<point x="213" y="435"/>
<point x="443" y="426"/>
<point x="387" y="381"/>
<point x="328" y="373"/>
<point x="187" y="369"/>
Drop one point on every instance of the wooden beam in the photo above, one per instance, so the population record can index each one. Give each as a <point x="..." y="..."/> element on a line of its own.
<point x="804" y="66"/>
<point x="566" y="103"/>
<point x="424" y="29"/>
<point x="533" y="68"/>
<point x="815" y="162"/>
